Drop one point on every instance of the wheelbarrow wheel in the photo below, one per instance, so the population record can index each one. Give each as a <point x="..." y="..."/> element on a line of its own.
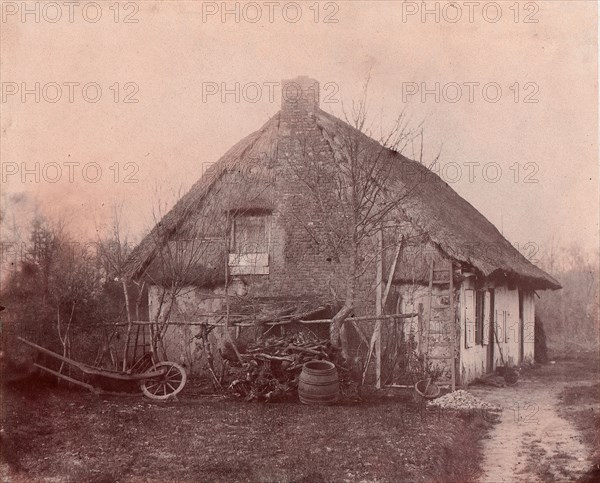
<point x="167" y="385"/>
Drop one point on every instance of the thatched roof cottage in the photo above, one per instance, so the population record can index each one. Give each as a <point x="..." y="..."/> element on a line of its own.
<point x="256" y="234"/>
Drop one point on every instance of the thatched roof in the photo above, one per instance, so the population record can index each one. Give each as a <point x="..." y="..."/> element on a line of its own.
<point x="256" y="146"/>
<point x="451" y="223"/>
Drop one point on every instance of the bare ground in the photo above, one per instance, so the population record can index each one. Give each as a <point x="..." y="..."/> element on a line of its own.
<point x="60" y="435"/>
<point x="547" y="432"/>
<point x="536" y="440"/>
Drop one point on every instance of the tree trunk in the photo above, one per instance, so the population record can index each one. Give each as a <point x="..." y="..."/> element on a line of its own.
<point x="336" y="326"/>
<point x="336" y="330"/>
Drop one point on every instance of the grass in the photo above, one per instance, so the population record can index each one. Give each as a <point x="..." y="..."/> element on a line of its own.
<point x="53" y="432"/>
<point x="579" y="404"/>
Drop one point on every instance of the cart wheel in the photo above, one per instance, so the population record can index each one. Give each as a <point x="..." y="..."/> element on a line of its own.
<point x="165" y="386"/>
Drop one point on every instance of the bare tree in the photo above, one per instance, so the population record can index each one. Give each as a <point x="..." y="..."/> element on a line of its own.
<point x="186" y="253"/>
<point x="356" y="196"/>
<point x="114" y="251"/>
<point x="571" y="315"/>
<point x="54" y="280"/>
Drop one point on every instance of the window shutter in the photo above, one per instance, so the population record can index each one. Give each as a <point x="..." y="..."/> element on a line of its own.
<point x="469" y="318"/>
<point x="249" y="253"/>
<point x="486" y="318"/>
<point x="479" y="317"/>
<point x="250" y="234"/>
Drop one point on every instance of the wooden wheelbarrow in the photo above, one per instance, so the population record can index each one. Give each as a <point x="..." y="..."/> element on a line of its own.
<point x="157" y="380"/>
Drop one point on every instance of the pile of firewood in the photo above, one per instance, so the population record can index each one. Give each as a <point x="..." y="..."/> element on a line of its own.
<point x="268" y="369"/>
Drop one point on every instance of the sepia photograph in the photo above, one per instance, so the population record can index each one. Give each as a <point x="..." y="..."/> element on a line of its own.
<point x="299" y="241"/>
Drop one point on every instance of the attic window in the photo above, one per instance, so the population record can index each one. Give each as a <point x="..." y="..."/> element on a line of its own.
<point x="249" y="244"/>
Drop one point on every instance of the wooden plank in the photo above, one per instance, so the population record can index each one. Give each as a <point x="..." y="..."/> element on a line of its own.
<point x="366" y="318"/>
<point x="375" y="344"/>
<point x="249" y="270"/>
<point x="248" y="263"/>
<point x="378" y="308"/>
<point x="392" y="271"/>
<point x="425" y="345"/>
<point x="66" y="378"/>
<point x="248" y="259"/>
<point x="170" y="323"/>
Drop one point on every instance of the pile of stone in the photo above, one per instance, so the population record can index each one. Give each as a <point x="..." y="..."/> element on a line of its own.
<point x="461" y="400"/>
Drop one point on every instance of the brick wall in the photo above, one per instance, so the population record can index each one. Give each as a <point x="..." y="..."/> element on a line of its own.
<point x="301" y="261"/>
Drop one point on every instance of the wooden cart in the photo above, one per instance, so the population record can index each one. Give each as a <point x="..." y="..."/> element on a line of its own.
<point x="157" y="379"/>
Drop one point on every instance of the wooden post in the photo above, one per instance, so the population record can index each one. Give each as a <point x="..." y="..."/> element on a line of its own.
<point x="453" y="328"/>
<point x="129" y="325"/>
<point x="378" y="308"/>
<point x="229" y="224"/>
<point x="227" y="275"/>
<point x="392" y="272"/>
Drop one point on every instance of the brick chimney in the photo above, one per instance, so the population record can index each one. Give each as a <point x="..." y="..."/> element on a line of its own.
<point x="300" y="96"/>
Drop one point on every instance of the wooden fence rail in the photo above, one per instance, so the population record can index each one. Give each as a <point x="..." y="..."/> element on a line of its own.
<point x="365" y="318"/>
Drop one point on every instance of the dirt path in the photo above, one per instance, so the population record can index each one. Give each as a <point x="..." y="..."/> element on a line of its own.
<point x="532" y="442"/>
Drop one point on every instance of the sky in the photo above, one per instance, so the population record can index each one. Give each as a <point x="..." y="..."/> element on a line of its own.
<point x="126" y="104"/>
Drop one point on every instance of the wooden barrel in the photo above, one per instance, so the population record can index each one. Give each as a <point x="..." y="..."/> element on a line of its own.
<point x="318" y="383"/>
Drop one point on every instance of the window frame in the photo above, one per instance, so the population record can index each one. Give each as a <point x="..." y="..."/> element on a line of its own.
<point x="235" y="229"/>
<point x="249" y="262"/>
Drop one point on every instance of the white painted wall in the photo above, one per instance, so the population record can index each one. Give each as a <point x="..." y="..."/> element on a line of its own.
<point x="508" y="330"/>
